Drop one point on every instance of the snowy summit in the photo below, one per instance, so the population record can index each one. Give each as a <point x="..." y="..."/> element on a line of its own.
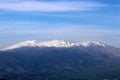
<point x="54" y="43"/>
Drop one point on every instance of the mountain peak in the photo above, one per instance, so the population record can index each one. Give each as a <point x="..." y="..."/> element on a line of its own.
<point x="95" y="43"/>
<point x="57" y="43"/>
<point x="29" y="43"/>
<point x="54" y="43"/>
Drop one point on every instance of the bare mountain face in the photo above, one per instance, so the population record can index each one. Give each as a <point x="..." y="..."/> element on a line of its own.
<point x="58" y="59"/>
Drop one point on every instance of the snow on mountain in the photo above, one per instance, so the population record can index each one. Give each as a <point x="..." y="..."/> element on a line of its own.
<point x="29" y="43"/>
<point x="54" y="43"/>
<point x="57" y="43"/>
<point x="89" y="43"/>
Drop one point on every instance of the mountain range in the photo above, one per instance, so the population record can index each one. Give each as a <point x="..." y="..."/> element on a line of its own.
<point x="55" y="43"/>
<point x="60" y="60"/>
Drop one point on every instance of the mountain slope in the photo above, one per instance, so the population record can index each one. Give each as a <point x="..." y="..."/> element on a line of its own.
<point x="57" y="60"/>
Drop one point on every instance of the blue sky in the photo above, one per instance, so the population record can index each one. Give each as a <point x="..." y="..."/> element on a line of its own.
<point x="74" y="20"/>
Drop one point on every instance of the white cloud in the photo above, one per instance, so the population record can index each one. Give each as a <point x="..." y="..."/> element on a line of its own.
<point x="53" y="6"/>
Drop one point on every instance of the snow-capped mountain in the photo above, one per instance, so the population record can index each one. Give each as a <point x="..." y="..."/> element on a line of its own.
<point x="54" y="43"/>
<point x="58" y="57"/>
<point x="29" y="43"/>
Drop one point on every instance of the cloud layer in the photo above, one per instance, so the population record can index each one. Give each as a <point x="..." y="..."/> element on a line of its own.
<point x="53" y="6"/>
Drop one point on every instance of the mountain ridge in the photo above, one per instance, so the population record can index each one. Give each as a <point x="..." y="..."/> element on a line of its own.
<point x="54" y="43"/>
<point x="58" y="61"/>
